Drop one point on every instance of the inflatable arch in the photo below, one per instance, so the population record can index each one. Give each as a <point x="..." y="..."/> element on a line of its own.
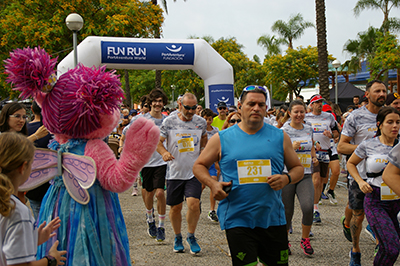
<point x="159" y="54"/>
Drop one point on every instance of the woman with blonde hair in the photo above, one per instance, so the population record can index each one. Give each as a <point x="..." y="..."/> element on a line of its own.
<point x="20" y="237"/>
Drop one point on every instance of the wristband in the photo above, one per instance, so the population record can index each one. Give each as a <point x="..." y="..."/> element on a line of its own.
<point x="289" y="177"/>
<point x="36" y="136"/>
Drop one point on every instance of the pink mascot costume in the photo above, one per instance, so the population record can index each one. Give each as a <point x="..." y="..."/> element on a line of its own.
<point x="81" y="109"/>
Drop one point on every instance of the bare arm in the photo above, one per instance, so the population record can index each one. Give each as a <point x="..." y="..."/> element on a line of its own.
<point x="166" y="155"/>
<point x="391" y="176"/>
<point x="344" y="146"/>
<point x="351" y="167"/>
<point x="292" y="162"/>
<point x="203" y="141"/>
<point x="210" y="154"/>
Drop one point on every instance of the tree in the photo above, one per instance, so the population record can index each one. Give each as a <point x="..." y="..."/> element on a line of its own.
<point x="291" y="30"/>
<point x="293" y="71"/>
<point x="385" y="6"/>
<point x="322" y="49"/>
<point x="387" y="55"/>
<point x="158" y="36"/>
<point x="42" y="23"/>
<point x="361" y="49"/>
<point x="271" y="44"/>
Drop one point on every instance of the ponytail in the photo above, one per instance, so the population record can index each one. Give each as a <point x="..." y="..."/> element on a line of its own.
<point x="6" y="190"/>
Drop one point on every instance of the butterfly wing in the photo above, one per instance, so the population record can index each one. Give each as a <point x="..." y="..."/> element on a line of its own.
<point x="74" y="188"/>
<point x="83" y="168"/>
<point x="44" y="168"/>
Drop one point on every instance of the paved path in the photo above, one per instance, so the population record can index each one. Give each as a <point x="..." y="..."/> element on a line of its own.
<point x="331" y="247"/>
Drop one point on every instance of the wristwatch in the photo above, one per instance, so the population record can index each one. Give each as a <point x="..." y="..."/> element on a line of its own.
<point x="51" y="261"/>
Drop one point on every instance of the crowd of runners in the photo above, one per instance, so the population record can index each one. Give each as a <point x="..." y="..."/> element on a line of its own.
<point x="255" y="160"/>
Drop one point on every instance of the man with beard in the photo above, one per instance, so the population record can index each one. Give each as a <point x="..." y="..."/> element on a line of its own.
<point x="359" y="125"/>
<point x="186" y="135"/>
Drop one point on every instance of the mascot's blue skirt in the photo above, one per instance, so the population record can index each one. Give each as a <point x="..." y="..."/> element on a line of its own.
<point x="92" y="234"/>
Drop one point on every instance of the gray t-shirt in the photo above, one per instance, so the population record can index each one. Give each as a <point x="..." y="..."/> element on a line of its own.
<point x="360" y="125"/>
<point x="394" y="156"/>
<point x="156" y="159"/>
<point x="183" y="142"/>
<point x="375" y="155"/>
<point x="305" y="136"/>
<point x="320" y="123"/>
<point x="212" y="132"/>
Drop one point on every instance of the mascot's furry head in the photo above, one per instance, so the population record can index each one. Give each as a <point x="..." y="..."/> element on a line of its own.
<point x="82" y="103"/>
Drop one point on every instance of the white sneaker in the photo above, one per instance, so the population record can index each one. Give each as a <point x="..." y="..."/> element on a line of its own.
<point x="134" y="191"/>
<point x="332" y="197"/>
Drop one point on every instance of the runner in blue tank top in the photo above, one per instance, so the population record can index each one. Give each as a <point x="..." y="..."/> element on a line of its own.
<point x="252" y="155"/>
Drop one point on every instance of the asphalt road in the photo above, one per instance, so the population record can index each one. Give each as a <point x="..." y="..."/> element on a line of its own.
<point x="330" y="246"/>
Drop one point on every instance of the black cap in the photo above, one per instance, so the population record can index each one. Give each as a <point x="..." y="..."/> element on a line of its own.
<point x="221" y="104"/>
<point x="391" y="97"/>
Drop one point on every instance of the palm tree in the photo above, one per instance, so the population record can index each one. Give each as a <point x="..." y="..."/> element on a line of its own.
<point x="158" y="35"/>
<point x="271" y="44"/>
<point x="385" y="6"/>
<point x="291" y="30"/>
<point x="322" y="49"/>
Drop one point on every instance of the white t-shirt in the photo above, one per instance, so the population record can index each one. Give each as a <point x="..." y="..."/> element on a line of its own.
<point x="183" y="142"/>
<point x="375" y="155"/>
<point x="305" y="136"/>
<point x="18" y="235"/>
<point x="360" y="125"/>
<point x="320" y="123"/>
<point x="212" y="132"/>
<point x="156" y="159"/>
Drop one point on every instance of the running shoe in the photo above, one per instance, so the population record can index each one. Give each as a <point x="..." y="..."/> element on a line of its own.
<point x="212" y="216"/>
<point x="178" y="245"/>
<point x="323" y="196"/>
<point x="311" y="234"/>
<point x="370" y="233"/>
<point x="306" y="246"/>
<point x="135" y="191"/>
<point x="332" y="197"/>
<point x="194" y="247"/>
<point x="316" y="217"/>
<point x="291" y="230"/>
<point x="289" y="251"/>
<point x="152" y="231"/>
<point x="160" y="234"/>
<point x="320" y="201"/>
<point x="346" y="231"/>
<point x="355" y="259"/>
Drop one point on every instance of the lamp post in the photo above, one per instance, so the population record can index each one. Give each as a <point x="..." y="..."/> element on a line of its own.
<point x="336" y="65"/>
<point x="75" y="23"/>
<point x="173" y="94"/>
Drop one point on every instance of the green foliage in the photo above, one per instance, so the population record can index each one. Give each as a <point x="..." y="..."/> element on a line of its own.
<point x="42" y="23"/>
<point x="292" y="69"/>
<point x="387" y="55"/>
<point x="291" y="30"/>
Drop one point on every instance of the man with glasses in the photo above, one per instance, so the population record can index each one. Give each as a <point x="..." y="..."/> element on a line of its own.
<point x="186" y="136"/>
<point x="219" y="120"/>
<point x="154" y="172"/>
<point x="252" y="155"/>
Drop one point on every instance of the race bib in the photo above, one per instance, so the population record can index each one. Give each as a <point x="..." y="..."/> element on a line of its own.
<point x="253" y="171"/>
<point x="305" y="159"/>
<point x="387" y="193"/>
<point x="186" y="145"/>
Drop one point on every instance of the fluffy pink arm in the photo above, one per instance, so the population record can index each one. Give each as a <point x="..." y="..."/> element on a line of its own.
<point x="118" y="175"/>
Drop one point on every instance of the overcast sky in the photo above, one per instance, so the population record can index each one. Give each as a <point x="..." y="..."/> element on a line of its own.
<point x="247" y="20"/>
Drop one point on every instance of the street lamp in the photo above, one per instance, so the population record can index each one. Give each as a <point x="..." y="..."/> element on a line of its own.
<point x="173" y="94"/>
<point x="75" y="23"/>
<point x="336" y="65"/>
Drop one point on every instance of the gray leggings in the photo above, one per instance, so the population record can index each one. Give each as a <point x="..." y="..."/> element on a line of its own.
<point x="305" y="193"/>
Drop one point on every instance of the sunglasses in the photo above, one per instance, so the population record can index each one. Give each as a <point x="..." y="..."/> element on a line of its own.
<point x="252" y="88"/>
<point x="221" y="108"/>
<point x="190" y="107"/>
<point x="19" y="116"/>
<point x="233" y="121"/>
